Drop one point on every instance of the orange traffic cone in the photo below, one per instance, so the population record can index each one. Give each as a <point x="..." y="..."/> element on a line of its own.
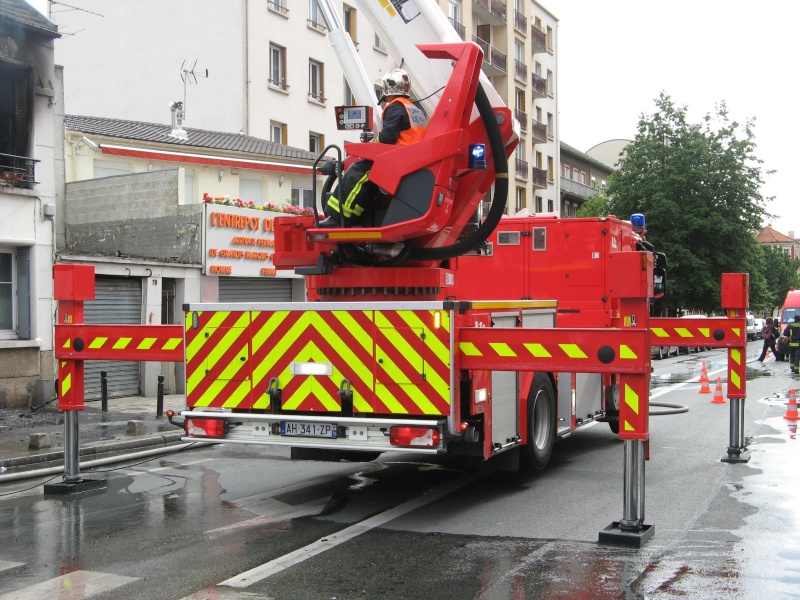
<point x="791" y="408"/>
<point x="704" y="389"/>
<point x="718" y="398"/>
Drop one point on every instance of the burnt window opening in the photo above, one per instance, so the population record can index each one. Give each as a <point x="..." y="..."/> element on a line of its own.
<point x="16" y="110"/>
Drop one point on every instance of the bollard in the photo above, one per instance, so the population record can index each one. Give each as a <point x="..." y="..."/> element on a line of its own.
<point x="103" y="391"/>
<point x="160" y="397"/>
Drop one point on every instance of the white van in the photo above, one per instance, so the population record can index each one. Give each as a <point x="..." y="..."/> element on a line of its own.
<point x="753" y="332"/>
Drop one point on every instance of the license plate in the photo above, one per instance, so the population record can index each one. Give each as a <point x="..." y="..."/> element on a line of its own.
<point x="323" y="430"/>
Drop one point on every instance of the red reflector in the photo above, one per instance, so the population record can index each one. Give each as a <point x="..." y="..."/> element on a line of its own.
<point x="414" y="437"/>
<point x="212" y="428"/>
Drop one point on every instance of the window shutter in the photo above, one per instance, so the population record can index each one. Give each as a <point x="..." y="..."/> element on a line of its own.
<point x="23" y="293"/>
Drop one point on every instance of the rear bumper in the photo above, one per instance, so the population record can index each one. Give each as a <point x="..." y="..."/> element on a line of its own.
<point x="353" y="433"/>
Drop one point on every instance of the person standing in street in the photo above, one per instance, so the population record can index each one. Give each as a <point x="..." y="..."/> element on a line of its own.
<point x="792" y="333"/>
<point x="769" y="334"/>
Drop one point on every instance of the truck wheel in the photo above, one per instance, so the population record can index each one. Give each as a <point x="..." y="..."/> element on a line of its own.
<point x="541" y="422"/>
<point x="612" y="410"/>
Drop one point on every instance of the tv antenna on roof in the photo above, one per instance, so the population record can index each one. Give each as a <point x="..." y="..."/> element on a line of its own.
<point x="189" y="75"/>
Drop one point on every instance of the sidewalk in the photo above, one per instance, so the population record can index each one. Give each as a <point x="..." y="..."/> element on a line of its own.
<point x="101" y="434"/>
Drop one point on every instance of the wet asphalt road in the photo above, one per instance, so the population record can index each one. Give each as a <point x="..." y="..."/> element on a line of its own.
<point x="405" y="527"/>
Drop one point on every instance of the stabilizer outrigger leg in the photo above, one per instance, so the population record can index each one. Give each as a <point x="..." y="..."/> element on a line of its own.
<point x="630" y="530"/>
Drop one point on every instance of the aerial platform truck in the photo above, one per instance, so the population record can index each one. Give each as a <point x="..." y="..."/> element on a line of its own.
<point x="422" y="333"/>
<point x="390" y="353"/>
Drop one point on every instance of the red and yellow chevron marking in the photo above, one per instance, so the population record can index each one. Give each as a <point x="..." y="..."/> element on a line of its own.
<point x="634" y="408"/>
<point x="70" y="385"/>
<point x="703" y="333"/>
<point x="120" y="342"/>
<point x="396" y="361"/>
<point x="737" y="377"/>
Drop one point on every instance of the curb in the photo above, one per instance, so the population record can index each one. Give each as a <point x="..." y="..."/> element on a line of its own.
<point x="88" y="452"/>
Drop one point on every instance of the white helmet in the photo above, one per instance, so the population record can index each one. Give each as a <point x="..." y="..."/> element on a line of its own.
<point x="395" y="83"/>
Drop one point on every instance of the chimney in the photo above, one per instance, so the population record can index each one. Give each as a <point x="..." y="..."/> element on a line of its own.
<point x="791" y="234"/>
<point x="177" y="121"/>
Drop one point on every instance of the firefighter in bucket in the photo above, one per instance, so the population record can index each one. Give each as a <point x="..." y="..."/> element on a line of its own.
<point x="403" y="125"/>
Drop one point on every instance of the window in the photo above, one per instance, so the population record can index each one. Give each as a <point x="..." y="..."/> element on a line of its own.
<point x="549" y="38"/>
<point x="316" y="80"/>
<point x="566" y="171"/>
<point x="550" y="206"/>
<point x="302" y="197"/>
<point x="277" y="66"/>
<point x="7" y="304"/>
<point x="349" y="98"/>
<point x="520" y="198"/>
<point x="454" y="11"/>
<point x="538" y="160"/>
<point x="16" y="105"/>
<point x="315" y="18"/>
<point x="551" y="128"/>
<point x="251" y="189"/>
<point x="538" y="206"/>
<point x="537" y="68"/>
<point x="350" y="22"/>
<point x="316" y="142"/>
<point x="550" y="168"/>
<point x="539" y="114"/>
<point x="519" y="99"/>
<point x="15" y="287"/>
<point x="551" y="85"/>
<point x="277" y="132"/>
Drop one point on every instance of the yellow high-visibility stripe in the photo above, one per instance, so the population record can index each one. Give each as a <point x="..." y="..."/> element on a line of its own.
<point x="659" y="332"/>
<point x="121" y="343"/>
<point x="627" y="353"/>
<point x="146" y="343"/>
<point x="98" y="342"/>
<point x="631" y="399"/>
<point x="172" y="343"/>
<point x="538" y="351"/>
<point x="66" y="384"/>
<point x="469" y="349"/>
<point x="200" y="338"/>
<point x="683" y="332"/>
<point x="502" y="349"/>
<point x="572" y="350"/>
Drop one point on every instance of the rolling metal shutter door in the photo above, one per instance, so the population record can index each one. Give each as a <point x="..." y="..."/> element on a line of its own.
<point x="117" y="300"/>
<point x="241" y="289"/>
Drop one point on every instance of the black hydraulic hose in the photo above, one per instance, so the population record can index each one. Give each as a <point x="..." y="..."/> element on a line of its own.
<point x="498" y="208"/>
<point x="672" y="409"/>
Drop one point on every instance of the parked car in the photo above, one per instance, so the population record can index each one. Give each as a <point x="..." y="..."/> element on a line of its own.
<point x="692" y="349"/>
<point x="753" y="332"/>
<point x="760" y="324"/>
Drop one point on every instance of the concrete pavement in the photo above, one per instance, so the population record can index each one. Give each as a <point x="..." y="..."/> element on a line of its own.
<point x="130" y="425"/>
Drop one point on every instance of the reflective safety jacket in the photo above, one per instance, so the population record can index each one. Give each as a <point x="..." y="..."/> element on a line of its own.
<point x="792" y="331"/>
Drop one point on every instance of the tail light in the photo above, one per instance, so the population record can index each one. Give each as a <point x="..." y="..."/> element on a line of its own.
<point x="210" y="428"/>
<point x="414" y="437"/>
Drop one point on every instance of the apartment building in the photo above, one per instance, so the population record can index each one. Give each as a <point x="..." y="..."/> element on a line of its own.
<point x="266" y="68"/>
<point x="31" y="175"/>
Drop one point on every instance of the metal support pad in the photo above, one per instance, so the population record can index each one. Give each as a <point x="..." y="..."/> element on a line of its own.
<point x="614" y="536"/>
<point x="75" y="487"/>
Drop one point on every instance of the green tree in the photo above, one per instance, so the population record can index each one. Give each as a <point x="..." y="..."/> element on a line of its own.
<point x="699" y="187"/>
<point x="780" y="273"/>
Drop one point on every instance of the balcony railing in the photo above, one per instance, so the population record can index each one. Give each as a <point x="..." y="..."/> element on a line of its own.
<point x="458" y="27"/>
<point x="539" y="178"/>
<point x="493" y="60"/>
<point x="521" y="168"/>
<point x="279" y="84"/>
<point x="17" y="171"/>
<point x="277" y="6"/>
<point x="522" y="118"/>
<point x="538" y="131"/>
<point x="520" y="70"/>
<point x="520" y="22"/>
<point x="494" y="10"/>
<point x="538" y="40"/>
<point x="539" y="84"/>
<point x="316" y="25"/>
<point x="573" y="187"/>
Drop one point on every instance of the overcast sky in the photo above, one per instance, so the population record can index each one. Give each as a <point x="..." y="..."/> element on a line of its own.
<point x="615" y="57"/>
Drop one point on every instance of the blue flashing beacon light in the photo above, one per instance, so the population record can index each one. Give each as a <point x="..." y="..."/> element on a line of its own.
<point x="477" y="156"/>
<point x="637" y="221"/>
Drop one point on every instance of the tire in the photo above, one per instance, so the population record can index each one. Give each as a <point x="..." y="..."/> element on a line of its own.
<point x="541" y="422"/>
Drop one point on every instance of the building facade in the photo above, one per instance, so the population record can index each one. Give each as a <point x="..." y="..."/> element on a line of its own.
<point x="266" y="68"/>
<point x="581" y="177"/>
<point x="786" y="243"/>
<point x="31" y="175"/>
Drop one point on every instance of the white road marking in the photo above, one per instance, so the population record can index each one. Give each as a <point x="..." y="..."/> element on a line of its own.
<point x="7" y="564"/>
<point x="75" y="586"/>
<point x="284" y="562"/>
